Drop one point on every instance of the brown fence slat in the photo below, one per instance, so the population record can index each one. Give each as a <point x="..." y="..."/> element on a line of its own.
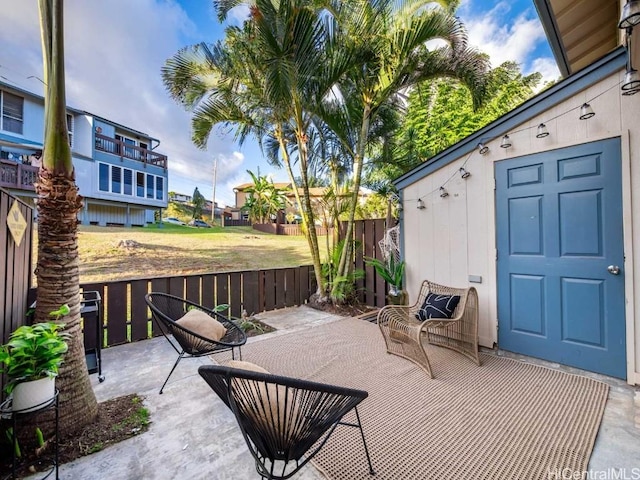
<point x="290" y="297"/>
<point x="193" y="289"/>
<point x="176" y="286"/>
<point x="235" y="293"/>
<point x="222" y="289"/>
<point x="251" y="292"/>
<point x="303" y="283"/>
<point x="280" y="288"/>
<point x="358" y="238"/>
<point x="269" y="286"/>
<point x="208" y="290"/>
<point x="160" y="285"/>
<point x="116" y="306"/>
<point x="140" y="314"/>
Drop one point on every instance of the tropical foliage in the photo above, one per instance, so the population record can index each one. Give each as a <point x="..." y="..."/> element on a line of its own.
<point x="33" y="352"/>
<point x="320" y="85"/>
<point x="441" y="113"/>
<point x="264" y="199"/>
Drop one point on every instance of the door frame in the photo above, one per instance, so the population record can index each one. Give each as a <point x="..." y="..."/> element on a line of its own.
<point x="633" y="374"/>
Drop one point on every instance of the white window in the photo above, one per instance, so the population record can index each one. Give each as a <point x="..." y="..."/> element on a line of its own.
<point x="70" y="122"/>
<point x="127" y="182"/>
<point x="12" y="112"/>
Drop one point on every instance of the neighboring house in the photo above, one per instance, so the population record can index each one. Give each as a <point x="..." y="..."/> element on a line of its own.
<point x="316" y="195"/>
<point x="179" y="197"/>
<point x="546" y="229"/>
<point x="122" y="179"/>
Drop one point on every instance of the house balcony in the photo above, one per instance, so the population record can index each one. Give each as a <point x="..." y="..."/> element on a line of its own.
<point x="125" y="150"/>
<point x="17" y="175"/>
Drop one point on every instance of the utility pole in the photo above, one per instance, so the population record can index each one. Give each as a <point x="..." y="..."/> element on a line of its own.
<point x="213" y="206"/>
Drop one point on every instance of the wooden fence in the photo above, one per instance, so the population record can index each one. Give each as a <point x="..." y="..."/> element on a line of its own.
<point x="372" y="289"/>
<point x="15" y="268"/>
<point x="227" y="222"/>
<point x="292" y="229"/>
<point x="126" y="318"/>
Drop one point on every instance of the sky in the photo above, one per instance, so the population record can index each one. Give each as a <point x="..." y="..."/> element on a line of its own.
<point x="114" y="51"/>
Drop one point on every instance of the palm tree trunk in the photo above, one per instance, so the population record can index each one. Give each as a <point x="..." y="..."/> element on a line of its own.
<point x="58" y="283"/>
<point x="58" y="206"/>
<point x="308" y="224"/>
<point x="345" y="256"/>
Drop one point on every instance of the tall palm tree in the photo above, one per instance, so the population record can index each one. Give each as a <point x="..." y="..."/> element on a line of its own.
<point x="389" y="40"/>
<point x="260" y="81"/>
<point x="58" y="205"/>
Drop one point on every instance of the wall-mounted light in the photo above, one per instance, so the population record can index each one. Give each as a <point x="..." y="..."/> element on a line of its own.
<point x="506" y="142"/>
<point x="443" y="192"/>
<point x="630" y="16"/>
<point x="586" y="111"/>
<point x="542" y="131"/>
<point x="421" y="205"/>
<point x="482" y="148"/>
<point x="464" y="173"/>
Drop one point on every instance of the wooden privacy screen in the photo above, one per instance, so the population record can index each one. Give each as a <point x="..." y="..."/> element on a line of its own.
<point x="15" y="268"/>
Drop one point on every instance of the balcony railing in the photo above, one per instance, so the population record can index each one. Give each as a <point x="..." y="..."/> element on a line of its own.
<point x="17" y="175"/>
<point x="125" y="150"/>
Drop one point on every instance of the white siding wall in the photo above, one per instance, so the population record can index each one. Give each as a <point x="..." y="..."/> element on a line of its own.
<point x="82" y="135"/>
<point x="107" y="214"/>
<point x="454" y="237"/>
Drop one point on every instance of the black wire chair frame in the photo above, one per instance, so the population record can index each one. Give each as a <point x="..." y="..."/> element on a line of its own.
<point x="285" y="421"/>
<point x="166" y="309"/>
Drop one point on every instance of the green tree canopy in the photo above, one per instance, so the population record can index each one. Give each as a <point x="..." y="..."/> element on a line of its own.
<point x="198" y="201"/>
<point x="441" y="113"/>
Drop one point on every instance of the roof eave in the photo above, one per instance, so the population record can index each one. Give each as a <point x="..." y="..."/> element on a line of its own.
<point x="553" y="35"/>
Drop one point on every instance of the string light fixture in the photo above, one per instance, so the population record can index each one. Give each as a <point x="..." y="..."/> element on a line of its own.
<point x="463" y="173"/>
<point x="631" y="82"/>
<point x="506" y="142"/>
<point x="482" y="148"/>
<point x="630" y="15"/>
<point x="421" y="205"/>
<point x="586" y="111"/>
<point x="542" y="131"/>
<point x="443" y="192"/>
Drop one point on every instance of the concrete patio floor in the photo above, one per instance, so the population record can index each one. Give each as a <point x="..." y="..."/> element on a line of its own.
<point x="193" y="435"/>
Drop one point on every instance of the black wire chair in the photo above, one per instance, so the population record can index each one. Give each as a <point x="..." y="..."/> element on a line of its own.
<point x="166" y="309"/>
<point x="285" y="421"/>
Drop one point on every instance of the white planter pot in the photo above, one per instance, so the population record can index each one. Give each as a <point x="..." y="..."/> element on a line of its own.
<point x="29" y="396"/>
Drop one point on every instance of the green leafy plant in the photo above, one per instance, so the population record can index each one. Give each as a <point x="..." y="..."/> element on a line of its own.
<point x="34" y="351"/>
<point x="347" y="292"/>
<point x="392" y="272"/>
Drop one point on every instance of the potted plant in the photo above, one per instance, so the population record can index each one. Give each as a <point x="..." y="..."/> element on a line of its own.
<point x="392" y="272"/>
<point x="31" y="360"/>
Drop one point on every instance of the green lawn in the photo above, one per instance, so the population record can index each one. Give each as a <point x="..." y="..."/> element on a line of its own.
<point x="177" y="250"/>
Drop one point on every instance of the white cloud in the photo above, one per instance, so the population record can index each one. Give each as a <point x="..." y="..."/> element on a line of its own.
<point x="547" y="67"/>
<point x="514" y="41"/>
<point x="114" y="52"/>
<point x="237" y="15"/>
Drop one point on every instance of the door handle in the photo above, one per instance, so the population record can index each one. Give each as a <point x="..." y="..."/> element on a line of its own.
<point x="613" y="269"/>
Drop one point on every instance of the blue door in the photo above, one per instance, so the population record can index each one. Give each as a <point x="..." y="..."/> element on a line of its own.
<point x="560" y="257"/>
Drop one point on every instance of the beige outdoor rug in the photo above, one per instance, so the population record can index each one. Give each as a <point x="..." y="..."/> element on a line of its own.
<point x="502" y="420"/>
